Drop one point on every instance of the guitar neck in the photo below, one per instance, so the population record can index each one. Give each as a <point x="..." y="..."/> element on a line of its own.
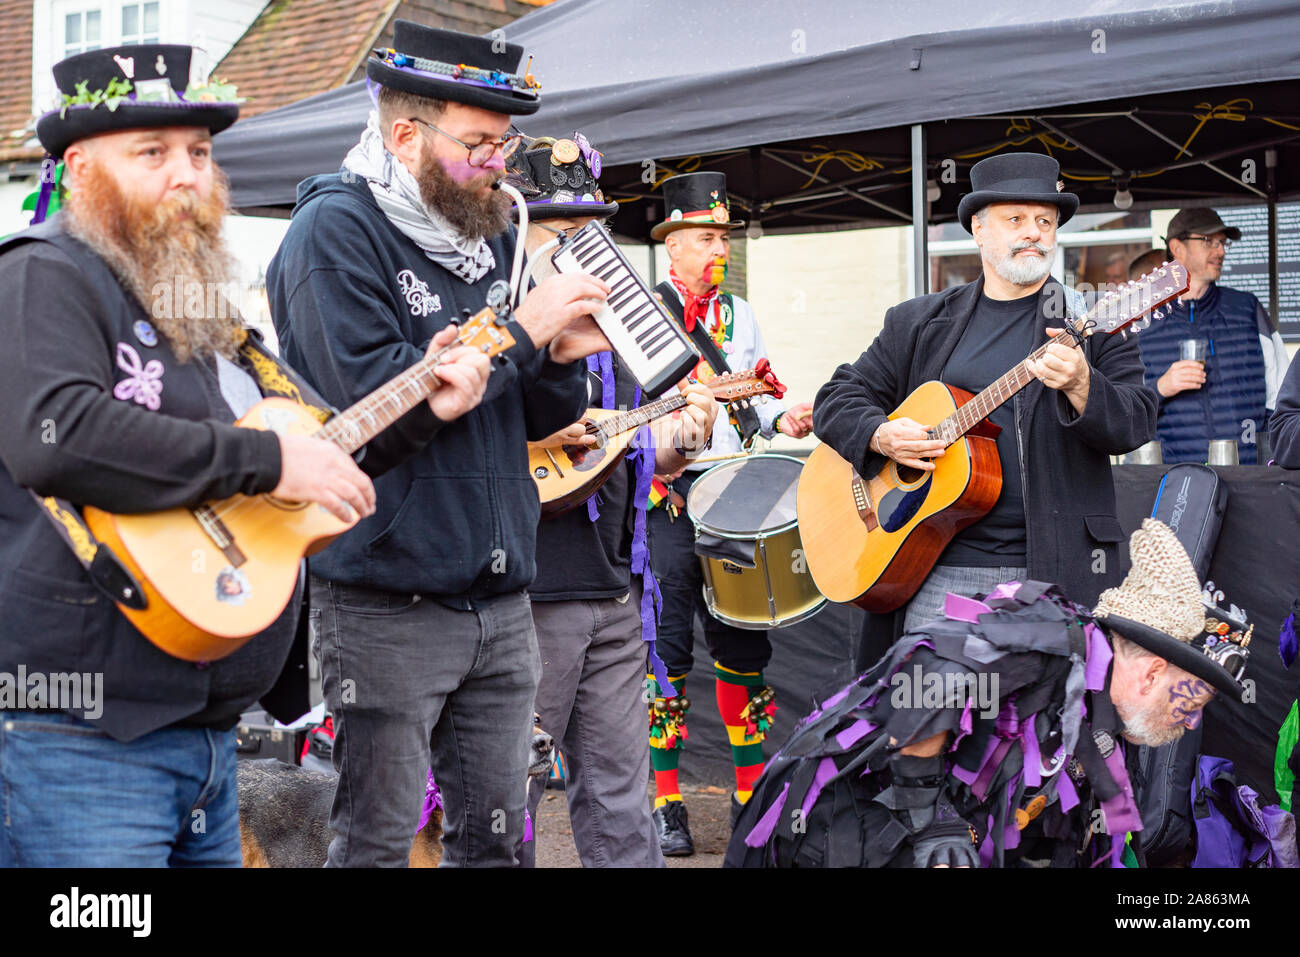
<point x="643" y="415"/>
<point x="982" y="406"/>
<point x="356" y="426"/>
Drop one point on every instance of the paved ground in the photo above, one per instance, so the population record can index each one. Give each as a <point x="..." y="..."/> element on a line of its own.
<point x="709" y="808"/>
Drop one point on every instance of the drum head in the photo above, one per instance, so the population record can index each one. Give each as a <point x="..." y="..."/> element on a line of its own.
<point x="755" y="494"/>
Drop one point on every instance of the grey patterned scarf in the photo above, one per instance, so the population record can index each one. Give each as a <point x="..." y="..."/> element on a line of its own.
<point x="398" y="196"/>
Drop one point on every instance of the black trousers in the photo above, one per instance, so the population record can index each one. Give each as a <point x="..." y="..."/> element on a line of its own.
<point x="681" y="580"/>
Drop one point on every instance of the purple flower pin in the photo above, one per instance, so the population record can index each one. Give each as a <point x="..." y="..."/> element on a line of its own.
<point x="144" y="384"/>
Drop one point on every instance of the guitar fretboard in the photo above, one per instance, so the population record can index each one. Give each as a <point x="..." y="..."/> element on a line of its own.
<point x="643" y="415"/>
<point x="356" y="426"/>
<point x="981" y="406"/>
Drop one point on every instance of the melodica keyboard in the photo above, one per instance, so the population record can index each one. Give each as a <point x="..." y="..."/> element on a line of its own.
<point x="648" y="341"/>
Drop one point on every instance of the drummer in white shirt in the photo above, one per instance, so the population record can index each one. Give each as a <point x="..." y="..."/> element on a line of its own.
<point x="696" y="235"/>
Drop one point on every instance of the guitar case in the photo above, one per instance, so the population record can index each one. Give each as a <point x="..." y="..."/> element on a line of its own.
<point x="1191" y="501"/>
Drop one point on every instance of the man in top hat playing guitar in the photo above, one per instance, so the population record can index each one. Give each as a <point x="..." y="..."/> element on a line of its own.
<point x="696" y="233"/>
<point x="593" y="597"/>
<point x="427" y="645"/>
<point x="1055" y="517"/>
<point x="120" y="398"/>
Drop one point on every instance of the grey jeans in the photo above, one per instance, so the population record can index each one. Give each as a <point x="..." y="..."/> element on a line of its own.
<point x="412" y="683"/>
<point x="591" y="700"/>
<point x="965" y="580"/>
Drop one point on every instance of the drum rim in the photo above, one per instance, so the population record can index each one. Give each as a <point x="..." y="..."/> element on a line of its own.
<point x="740" y="536"/>
<point x="749" y="625"/>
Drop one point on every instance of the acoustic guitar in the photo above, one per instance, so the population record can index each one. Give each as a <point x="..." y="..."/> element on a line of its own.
<point x="567" y="475"/>
<point x="873" y="540"/>
<point x="217" y="574"/>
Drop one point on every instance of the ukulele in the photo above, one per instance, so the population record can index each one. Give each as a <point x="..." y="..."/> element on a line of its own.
<point x="872" y="541"/>
<point x="216" y="574"/>
<point x="567" y="475"/>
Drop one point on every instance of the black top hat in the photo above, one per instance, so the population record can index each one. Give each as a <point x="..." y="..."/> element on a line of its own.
<point x="1016" y="178"/>
<point x="131" y="87"/>
<point x="446" y="65"/>
<point x="558" y="179"/>
<point x="695" y="199"/>
<point x="1199" y="222"/>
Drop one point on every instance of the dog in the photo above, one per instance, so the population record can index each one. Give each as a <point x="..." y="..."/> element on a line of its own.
<point x="284" y="812"/>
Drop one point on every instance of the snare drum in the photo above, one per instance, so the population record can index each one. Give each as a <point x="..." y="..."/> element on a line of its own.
<point x="747" y="540"/>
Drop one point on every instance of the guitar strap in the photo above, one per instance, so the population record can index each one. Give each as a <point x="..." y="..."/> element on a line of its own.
<point x="105" y="570"/>
<point x="742" y="413"/>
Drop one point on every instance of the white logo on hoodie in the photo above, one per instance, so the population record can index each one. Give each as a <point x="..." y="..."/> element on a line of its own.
<point x="417" y="294"/>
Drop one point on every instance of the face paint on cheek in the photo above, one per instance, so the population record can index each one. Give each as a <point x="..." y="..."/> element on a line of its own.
<point x="1183" y="699"/>
<point x="461" y="171"/>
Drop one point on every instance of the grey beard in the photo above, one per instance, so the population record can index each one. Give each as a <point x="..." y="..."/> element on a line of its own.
<point x="1144" y="727"/>
<point x="1024" y="272"/>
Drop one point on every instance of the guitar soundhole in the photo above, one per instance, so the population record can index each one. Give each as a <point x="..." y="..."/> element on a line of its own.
<point x="907" y="475"/>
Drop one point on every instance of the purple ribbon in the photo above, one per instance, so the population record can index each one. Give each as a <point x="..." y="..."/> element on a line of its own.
<point x="969" y="777"/>
<point x="1099" y="655"/>
<point x="602" y="365"/>
<point x="652" y="602"/>
<point x="767" y="823"/>
<point x="1033" y="756"/>
<point x="432" y="800"/>
<point x="961" y="608"/>
<point x="826" y="770"/>
<point x="854" y="732"/>
<point x="1122" y="814"/>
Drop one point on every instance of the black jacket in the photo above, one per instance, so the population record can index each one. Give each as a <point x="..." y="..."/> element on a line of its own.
<point x="1284" y="426"/>
<point x="355" y="303"/>
<point x="71" y="338"/>
<point x="1072" y="531"/>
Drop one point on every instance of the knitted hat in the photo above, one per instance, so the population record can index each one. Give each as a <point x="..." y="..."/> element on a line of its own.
<point x="1159" y="607"/>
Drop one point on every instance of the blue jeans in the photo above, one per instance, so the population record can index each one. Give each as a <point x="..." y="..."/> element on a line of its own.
<point x="71" y="796"/>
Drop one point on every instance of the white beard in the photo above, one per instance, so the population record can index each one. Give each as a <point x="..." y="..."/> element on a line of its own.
<point x="1024" y="270"/>
<point x="1145" y="727"/>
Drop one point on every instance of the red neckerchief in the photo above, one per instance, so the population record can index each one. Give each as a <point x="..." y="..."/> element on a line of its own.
<point x="697" y="307"/>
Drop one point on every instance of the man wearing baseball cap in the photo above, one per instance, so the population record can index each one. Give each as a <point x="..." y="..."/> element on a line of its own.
<point x="1228" y="388"/>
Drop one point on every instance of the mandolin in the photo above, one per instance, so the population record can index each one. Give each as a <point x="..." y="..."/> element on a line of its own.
<point x="872" y="541"/>
<point x="216" y="574"/>
<point x="567" y="475"/>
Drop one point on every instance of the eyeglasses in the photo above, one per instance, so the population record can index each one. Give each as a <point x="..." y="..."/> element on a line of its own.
<point x="480" y="154"/>
<point x="1223" y="244"/>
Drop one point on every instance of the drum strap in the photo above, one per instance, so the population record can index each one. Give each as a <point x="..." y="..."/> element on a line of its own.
<point x="743" y="415"/>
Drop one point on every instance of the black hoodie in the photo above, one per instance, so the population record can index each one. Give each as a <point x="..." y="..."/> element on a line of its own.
<point x="355" y="303"/>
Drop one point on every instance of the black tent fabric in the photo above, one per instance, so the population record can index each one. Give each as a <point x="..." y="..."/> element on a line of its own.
<point x="1256" y="566"/>
<point x="780" y="94"/>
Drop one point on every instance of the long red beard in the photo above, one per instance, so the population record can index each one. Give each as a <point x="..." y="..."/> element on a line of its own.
<point x="169" y="255"/>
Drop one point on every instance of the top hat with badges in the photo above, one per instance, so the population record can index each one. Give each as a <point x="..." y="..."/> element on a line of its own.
<point x="1016" y="178"/>
<point x="695" y="199"/>
<point x="1159" y="606"/>
<point x="131" y="87"/>
<point x="557" y="179"/>
<point x="446" y="65"/>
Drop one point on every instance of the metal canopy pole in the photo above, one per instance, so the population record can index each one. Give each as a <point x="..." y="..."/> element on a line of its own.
<point x="1270" y="186"/>
<point x="920" y="221"/>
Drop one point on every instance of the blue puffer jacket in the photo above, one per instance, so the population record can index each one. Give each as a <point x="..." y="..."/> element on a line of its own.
<point x="1234" y="391"/>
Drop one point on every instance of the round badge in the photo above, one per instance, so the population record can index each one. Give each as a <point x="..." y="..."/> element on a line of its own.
<point x="728" y="348"/>
<point x="588" y="198"/>
<point x="562" y="196"/>
<point x="146" y="333"/>
<point x="564" y="152"/>
<point x="675" y="216"/>
<point x="593" y="160"/>
<point x="720" y="214"/>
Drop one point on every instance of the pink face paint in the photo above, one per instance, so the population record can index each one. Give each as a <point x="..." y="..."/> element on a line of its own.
<point x="462" y="172"/>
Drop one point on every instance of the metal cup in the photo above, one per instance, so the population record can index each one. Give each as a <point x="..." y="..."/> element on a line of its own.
<point x="1222" y="452"/>
<point x="1149" y="454"/>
